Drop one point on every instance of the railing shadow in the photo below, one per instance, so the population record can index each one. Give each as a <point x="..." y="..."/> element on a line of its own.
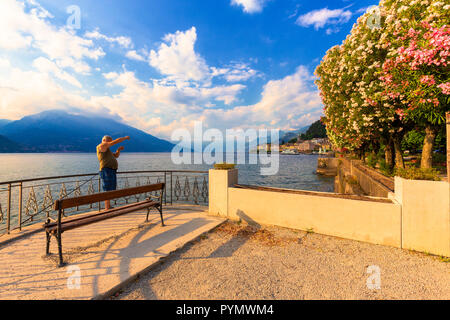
<point x="238" y="240"/>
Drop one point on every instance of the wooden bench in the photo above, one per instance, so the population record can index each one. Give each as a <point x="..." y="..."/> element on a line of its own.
<point x="56" y="228"/>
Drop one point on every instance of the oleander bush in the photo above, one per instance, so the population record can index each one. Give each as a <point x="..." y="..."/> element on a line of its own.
<point x="389" y="76"/>
<point x="372" y="160"/>
<point x="385" y="168"/>
<point x="414" y="173"/>
<point x="439" y="158"/>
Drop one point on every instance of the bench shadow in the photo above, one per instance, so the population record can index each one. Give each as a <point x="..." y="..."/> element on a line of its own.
<point x="223" y="251"/>
<point x="138" y="248"/>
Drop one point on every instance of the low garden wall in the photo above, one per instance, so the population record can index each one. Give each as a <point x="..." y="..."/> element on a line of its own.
<point x="416" y="218"/>
<point x="369" y="221"/>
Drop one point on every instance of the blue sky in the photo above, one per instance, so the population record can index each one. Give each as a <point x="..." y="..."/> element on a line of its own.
<point x="162" y="65"/>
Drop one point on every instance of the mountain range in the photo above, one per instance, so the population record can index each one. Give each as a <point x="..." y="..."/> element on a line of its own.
<point x="61" y="131"/>
<point x="7" y="145"/>
<point x="4" y="122"/>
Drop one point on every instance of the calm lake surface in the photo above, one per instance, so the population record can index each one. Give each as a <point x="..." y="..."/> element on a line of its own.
<point x="295" y="171"/>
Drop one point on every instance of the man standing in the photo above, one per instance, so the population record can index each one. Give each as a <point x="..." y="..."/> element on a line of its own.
<point x="109" y="164"/>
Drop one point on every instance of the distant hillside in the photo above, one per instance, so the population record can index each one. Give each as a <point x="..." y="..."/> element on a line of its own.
<point x="60" y="131"/>
<point x="288" y="136"/>
<point x="8" y="146"/>
<point x="4" y="122"/>
<point x="316" y="130"/>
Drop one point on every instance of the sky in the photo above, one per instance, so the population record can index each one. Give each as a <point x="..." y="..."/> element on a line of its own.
<point x="162" y="65"/>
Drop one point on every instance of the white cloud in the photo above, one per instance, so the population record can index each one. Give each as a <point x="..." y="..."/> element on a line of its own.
<point x="22" y="30"/>
<point x="226" y="94"/>
<point x="320" y="18"/>
<point x="27" y="92"/>
<point x="133" y="55"/>
<point x="250" y="6"/>
<point x="235" y="73"/>
<point x="46" y="66"/>
<point x="38" y="10"/>
<point x="177" y="58"/>
<point x="179" y="63"/>
<point x="122" y="41"/>
<point x="4" y="63"/>
<point x="185" y="93"/>
<point x="174" y="96"/>
<point x="291" y="95"/>
<point x="287" y="103"/>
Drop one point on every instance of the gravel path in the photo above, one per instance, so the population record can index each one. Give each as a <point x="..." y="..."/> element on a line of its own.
<point x="242" y="262"/>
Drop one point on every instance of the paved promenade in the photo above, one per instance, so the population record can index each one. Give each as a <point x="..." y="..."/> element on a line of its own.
<point x="238" y="262"/>
<point x="108" y="254"/>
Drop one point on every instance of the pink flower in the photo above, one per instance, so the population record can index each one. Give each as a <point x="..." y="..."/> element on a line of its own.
<point x="428" y="80"/>
<point x="445" y="87"/>
<point x="400" y="113"/>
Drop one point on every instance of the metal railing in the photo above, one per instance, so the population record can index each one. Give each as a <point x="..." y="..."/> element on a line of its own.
<point x="29" y="201"/>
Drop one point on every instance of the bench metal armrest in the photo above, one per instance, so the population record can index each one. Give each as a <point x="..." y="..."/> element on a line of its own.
<point x="158" y="197"/>
<point x="49" y="220"/>
<point x="152" y="196"/>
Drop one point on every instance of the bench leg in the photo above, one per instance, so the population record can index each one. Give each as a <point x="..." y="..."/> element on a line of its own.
<point x="61" y="262"/>
<point x="47" y="248"/>
<point x="148" y="212"/>
<point x="161" y="214"/>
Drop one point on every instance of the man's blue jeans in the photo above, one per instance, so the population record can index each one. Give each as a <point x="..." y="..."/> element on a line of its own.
<point x="109" y="179"/>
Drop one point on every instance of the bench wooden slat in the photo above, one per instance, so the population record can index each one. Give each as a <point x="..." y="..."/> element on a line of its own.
<point x="76" y="223"/>
<point x="86" y="216"/>
<point x="103" y="196"/>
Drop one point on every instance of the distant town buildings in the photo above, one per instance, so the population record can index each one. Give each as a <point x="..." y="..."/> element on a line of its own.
<point x="320" y="145"/>
<point x="267" y="147"/>
<point x="308" y="146"/>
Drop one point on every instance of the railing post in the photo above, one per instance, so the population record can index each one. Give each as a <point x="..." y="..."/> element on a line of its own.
<point x="171" y="188"/>
<point x="165" y="188"/>
<point x="99" y="190"/>
<point x="8" y="217"/>
<point x="20" y="206"/>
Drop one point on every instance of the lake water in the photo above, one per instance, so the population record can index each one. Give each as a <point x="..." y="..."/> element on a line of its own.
<point x="295" y="171"/>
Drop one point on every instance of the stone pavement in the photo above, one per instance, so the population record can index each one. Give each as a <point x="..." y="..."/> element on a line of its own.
<point x="101" y="258"/>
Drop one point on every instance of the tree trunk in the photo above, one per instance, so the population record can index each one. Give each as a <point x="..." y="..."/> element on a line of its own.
<point x="389" y="153"/>
<point x="398" y="152"/>
<point x="376" y="148"/>
<point x="427" y="150"/>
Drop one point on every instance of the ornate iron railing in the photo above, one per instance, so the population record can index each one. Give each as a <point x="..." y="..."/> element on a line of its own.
<point x="26" y="202"/>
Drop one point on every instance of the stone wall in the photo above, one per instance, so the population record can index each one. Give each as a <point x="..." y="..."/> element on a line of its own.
<point x="353" y="177"/>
